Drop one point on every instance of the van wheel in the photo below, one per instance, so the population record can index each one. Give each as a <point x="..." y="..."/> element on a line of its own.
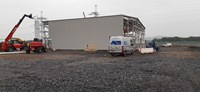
<point x="124" y="53"/>
<point x="112" y="54"/>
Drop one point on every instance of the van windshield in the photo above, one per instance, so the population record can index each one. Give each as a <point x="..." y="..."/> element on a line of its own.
<point x="116" y="43"/>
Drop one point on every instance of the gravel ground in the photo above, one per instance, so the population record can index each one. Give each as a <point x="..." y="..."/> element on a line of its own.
<point x="169" y="70"/>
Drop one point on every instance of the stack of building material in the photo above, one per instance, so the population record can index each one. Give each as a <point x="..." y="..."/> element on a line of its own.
<point x="91" y="47"/>
<point x="146" y="50"/>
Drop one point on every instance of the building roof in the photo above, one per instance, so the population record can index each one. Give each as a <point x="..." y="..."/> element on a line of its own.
<point x="46" y="22"/>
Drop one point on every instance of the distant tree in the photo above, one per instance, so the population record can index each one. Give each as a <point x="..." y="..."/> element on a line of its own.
<point x="177" y="39"/>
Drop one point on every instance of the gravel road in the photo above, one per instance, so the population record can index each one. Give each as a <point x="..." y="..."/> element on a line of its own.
<point x="169" y="70"/>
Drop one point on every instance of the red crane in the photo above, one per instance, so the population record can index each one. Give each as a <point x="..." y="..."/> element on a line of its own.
<point x="11" y="46"/>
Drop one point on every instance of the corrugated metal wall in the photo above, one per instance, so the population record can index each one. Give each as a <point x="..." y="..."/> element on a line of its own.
<point x="78" y="33"/>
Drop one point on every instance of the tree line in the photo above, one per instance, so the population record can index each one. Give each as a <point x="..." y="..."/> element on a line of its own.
<point x="177" y="39"/>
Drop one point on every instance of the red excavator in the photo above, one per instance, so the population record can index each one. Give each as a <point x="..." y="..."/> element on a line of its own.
<point x="9" y="44"/>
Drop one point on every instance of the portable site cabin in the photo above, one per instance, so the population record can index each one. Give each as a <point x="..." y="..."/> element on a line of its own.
<point x="78" y="34"/>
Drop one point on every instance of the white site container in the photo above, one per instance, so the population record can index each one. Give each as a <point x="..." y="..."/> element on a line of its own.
<point x="146" y="50"/>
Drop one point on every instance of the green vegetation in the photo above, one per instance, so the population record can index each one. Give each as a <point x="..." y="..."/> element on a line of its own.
<point x="177" y="39"/>
<point x="182" y="41"/>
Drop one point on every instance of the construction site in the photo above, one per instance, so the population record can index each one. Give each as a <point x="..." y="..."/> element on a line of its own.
<point x="95" y="54"/>
<point x="170" y="70"/>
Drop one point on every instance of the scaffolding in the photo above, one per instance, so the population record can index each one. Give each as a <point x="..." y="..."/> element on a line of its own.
<point x="42" y="30"/>
<point x="134" y="28"/>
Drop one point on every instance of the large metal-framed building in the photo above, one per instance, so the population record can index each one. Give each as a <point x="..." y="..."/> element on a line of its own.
<point x="77" y="34"/>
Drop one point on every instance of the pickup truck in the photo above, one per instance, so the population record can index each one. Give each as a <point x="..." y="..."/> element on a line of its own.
<point x="167" y="45"/>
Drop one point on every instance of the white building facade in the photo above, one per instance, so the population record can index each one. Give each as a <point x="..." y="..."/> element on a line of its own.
<point x="77" y="34"/>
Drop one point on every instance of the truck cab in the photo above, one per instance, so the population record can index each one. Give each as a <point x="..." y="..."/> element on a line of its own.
<point x="14" y="44"/>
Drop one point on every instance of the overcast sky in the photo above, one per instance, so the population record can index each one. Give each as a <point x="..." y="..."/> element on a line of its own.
<point x="160" y="17"/>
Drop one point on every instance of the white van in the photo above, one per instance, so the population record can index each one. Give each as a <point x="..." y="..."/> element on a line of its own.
<point x="121" y="45"/>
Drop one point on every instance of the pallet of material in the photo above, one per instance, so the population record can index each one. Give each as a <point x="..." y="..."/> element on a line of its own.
<point x="146" y="50"/>
<point x="90" y="48"/>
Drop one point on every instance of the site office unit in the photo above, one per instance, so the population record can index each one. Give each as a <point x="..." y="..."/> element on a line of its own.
<point x="77" y="34"/>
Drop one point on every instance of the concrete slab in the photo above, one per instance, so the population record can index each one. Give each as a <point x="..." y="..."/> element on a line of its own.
<point x="16" y="52"/>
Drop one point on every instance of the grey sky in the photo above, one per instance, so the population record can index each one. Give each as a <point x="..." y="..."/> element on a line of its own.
<point x="160" y="17"/>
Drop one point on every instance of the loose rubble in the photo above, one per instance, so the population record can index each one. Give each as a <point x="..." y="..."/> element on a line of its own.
<point x="169" y="70"/>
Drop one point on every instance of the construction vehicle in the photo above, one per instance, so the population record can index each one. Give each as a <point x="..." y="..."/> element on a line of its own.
<point x="36" y="46"/>
<point x="153" y="45"/>
<point x="17" y="44"/>
<point x="167" y="45"/>
<point x="9" y="44"/>
<point x="121" y="45"/>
